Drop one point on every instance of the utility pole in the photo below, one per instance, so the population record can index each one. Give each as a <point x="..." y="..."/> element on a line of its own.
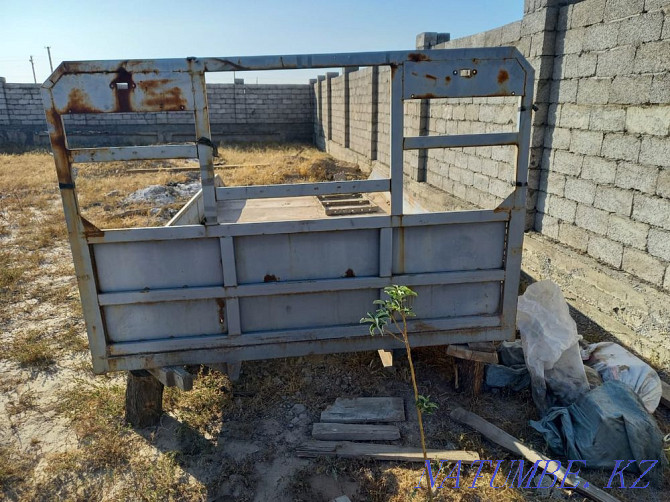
<point x="48" y="48"/>
<point x="32" y="63"/>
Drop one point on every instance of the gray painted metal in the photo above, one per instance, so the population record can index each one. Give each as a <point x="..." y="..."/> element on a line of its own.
<point x="203" y="291"/>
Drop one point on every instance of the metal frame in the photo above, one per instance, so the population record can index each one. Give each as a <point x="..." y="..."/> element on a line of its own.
<point x="179" y="85"/>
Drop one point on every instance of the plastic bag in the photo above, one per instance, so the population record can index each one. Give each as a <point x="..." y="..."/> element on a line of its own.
<point x="551" y="346"/>
<point x="613" y="362"/>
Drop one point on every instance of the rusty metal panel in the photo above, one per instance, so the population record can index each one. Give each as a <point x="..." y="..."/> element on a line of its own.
<point x="123" y="92"/>
<point x="463" y="78"/>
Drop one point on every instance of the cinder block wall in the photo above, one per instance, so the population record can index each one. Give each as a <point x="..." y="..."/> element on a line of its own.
<point x="599" y="177"/>
<point x="239" y="112"/>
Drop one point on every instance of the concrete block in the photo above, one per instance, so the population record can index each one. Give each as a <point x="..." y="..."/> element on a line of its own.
<point x="607" y="119"/>
<point x="641" y="265"/>
<point x="614" y="200"/>
<point x="586" y="142"/>
<point x="602" y="171"/>
<point x="660" y="88"/>
<point x="666" y="282"/>
<point x="658" y="243"/>
<point x="636" y="176"/>
<point x="599" y="37"/>
<point x="567" y="163"/>
<point x="621" y="147"/>
<point x="573" y="236"/>
<point x="511" y="32"/>
<point x="628" y="232"/>
<point x="617" y="9"/>
<point x="652" y="210"/>
<point x="564" y="91"/>
<point x="663" y="183"/>
<point x="587" y="13"/>
<point x="580" y="190"/>
<point x="593" y="91"/>
<point x="605" y="250"/>
<point x="655" y="151"/>
<point x="575" y="116"/>
<point x="643" y="28"/>
<point x="561" y="208"/>
<point x="555" y="182"/>
<point x="580" y="65"/>
<point x="652" y="57"/>
<point x="630" y="90"/>
<point x="547" y="225"/>
<point x="557" y="138"/>
<point x="592" y="219"/>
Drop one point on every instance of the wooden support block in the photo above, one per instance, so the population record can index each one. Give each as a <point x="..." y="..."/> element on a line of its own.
<point x="355" y="432"/>
<point x="364" y="410"/>
<point x="463" y="352"/>
<point x="665" y="394"/>
<point x="144" y="399"/>
<point x="512" y="444"/>
<point x="482" y="346"/>
<point x="387" y="357"/>
<point x="348" y="449"/>
<point x="173" y="376"/>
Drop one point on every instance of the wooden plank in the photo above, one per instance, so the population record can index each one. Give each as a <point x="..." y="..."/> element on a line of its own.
<point x="482" y="346"/>
<point x="355" y="432"/>
<point x="512" y="444"/>
<point x="348" y="449"/>
<point x="665" y="396"/>
<point x="301" y="189"/>
<point x="364" y="410"/>
<point x="386" y="357"/>
<point x="173" y="376"/>
<point x="463" y="352"/>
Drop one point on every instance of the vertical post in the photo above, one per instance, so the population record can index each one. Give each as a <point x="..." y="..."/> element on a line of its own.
<point x="32" y="63"/>
<point x="329" y="93"/>
<point x="396" y="138"/>
<point x="516" y="223"/>
<point x="205" y="147"/>
<point x="319" y="108"/>
<point x="81" y="252"/>
<point x="374" y="112"/>
<point x="347" y="118"/>
<point x="144" y="399"/>
<point x="51" y="65"/>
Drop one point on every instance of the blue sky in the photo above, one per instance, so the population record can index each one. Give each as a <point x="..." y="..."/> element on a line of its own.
<point x="122" y="29"/>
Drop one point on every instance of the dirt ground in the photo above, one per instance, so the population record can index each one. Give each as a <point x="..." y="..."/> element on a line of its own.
<point x="62" y="432"/>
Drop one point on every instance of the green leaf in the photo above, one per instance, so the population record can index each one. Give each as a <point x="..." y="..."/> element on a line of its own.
<point x="425" y="405"/>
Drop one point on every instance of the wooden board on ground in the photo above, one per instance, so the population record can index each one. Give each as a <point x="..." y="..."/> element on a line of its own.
<point x="362" y="410"/>
<point x="386" y="357"/>
<point x="500" y="437"/>
<point x="348" y="449"/>
<point x="355" y="432"/>
<point x="173" y="376"/>
<point x="665" y="396"/>
<point x="464" y="352"/>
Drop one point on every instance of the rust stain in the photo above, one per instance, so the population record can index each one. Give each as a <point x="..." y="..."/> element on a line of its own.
<point x="501" y="210"/>
<point x="503" y="76"/>
<point x="122" y="96"/>
<point x="428" y="95"/>
<point x="401" y="249"/>
<point x="417" y="57"/>
<point x="394" y="68"/>
<point x="270" y="278"/>
<point x="57" y="137"/>
<point x="158" y="95"/>
<point x="447" y="79"/>
<point x="349" y="273"/>
<point x="432" y="77"/>
<point x="78" y="102"/>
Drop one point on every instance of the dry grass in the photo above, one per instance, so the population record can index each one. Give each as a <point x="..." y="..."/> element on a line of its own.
<point x="31" y="349"/>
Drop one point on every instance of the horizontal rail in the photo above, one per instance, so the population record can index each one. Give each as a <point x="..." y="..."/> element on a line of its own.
<point x="302" y="189"/>
<point x="461" y="140"/>
<point x="110" y="154"/>
<point x="286" y="337"/>
<point x="298" y="287"/>
<point x="359" y="222"/>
